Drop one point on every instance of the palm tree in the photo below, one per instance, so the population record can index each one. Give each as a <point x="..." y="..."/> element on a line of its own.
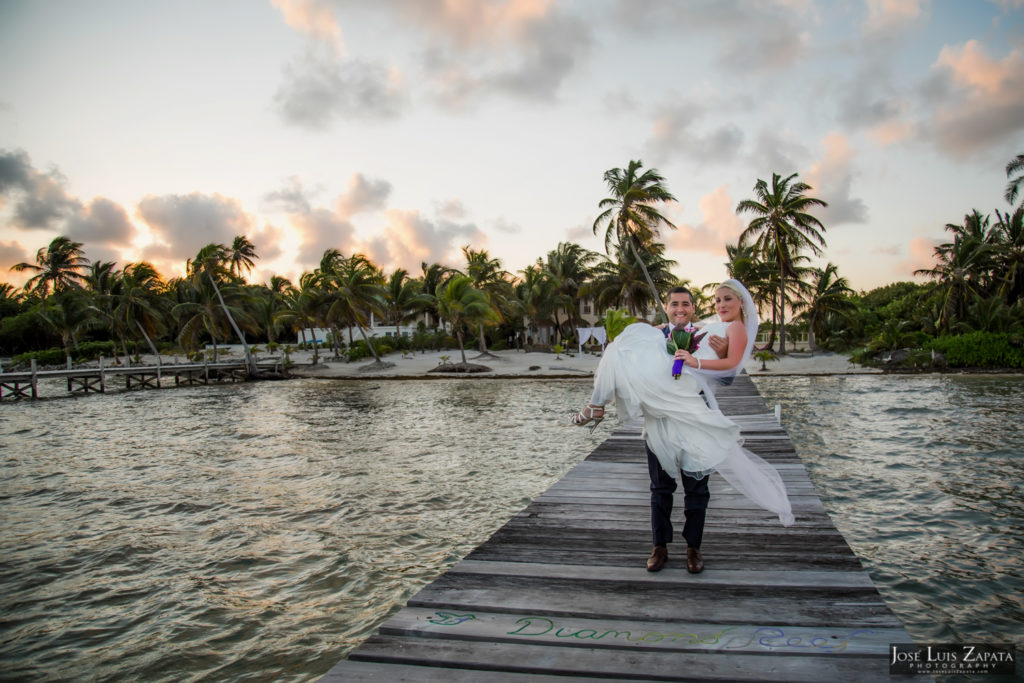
<point x="570" y="266"/>
<point x="57" y="268"/>
<point x="241" y="256"/>
<point x="830" y="294"/>
<point x="300" y="309"/>
<point x="1015" y="172"/>
<point x="210" y="262"/>
<point x="403" y="299"/>
<point x="270" y="302"/>
<point x="67" y="314"/>
<point x="1010" y="254"/>
<point x="355" y="292"/>
<point x="537" y="295"/>
<point x="139" y="303"/>
<point x="630" y="216"/>
<point x="964" y="267"/>
<point x="628" y="282"/>
<point x="434" y="274"/>
<point x="460" y="303"/>
<point x="780" y="229"/>
<point x="489" y="277"/>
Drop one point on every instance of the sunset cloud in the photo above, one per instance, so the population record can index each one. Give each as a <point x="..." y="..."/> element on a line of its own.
<point x="831" y="180"/>
<point x="673" y="134"/>
<point x="317" y="89"/>
<point x="183" y="224"/>
<point x="312" y="17"/>
<point x="720" y="226"/>
<point x="40" y="200"/>
<point x="978" y="101"/>
<point x="363" y="194"/>
<point x="921" y="255"/>
<point x="888" y="16"/>
<point x="410" y="239"/>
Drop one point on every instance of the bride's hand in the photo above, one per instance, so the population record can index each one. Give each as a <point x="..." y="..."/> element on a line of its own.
<point x="686" y="358"/>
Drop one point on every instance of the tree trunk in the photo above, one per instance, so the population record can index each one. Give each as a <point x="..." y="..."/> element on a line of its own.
<point x="782" y="312"/>
<point x="362" y="333"/>
<point x="458" y="335"/>
<point x="248" y="355"/>
<point x="647" y="276"/>
<point x="316" y="346"/>
<point x="150" y="342"/>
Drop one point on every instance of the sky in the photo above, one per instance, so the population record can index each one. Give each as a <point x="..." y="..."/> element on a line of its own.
<point x="407" y="129"/>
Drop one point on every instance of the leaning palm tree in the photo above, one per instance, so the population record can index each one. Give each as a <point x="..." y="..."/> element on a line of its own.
<point x="139" y="303"/>
<point x="829" y="294"/>
<point x="1010" y="254"/>
<point x="630" y="216"/>
<point x="355" y="293"/>
<point x="781" y="228"/>
<point x="460" y="303"/>
<point x="210" y="262"/>
<point x="57" y="268"/>
<point x="957" y="277"/>
<point x="629" y="282"/>
<point x="67" y="314"/>
<point x="1015" y="172"/>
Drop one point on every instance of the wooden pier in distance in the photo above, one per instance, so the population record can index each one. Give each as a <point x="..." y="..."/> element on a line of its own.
<point x="561" y="593"/>
<point x="86" y="380"/>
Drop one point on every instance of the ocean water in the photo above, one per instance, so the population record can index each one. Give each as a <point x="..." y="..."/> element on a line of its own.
<point x="253" y="531"/>
<point x="261" y="531"/>
<point x="924" y="476"/>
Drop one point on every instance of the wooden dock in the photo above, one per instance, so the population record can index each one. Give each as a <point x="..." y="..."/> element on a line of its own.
<point x="98" y="379"/>
<point x="560" y="592"/>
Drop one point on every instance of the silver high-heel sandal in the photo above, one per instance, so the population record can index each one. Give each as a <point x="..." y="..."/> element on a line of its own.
<point x="589" y="414"/>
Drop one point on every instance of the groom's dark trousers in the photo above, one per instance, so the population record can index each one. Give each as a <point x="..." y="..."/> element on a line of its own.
<point x="695" y="501"/>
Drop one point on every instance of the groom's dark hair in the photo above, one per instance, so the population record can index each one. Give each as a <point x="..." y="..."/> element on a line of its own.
<point x="681" y="290"/>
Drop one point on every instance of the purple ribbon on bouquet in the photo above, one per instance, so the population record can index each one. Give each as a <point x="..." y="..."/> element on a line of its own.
<point x="686" y="338"/>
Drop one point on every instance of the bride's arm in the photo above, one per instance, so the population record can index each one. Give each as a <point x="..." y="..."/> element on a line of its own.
<point x="736" y="335"/>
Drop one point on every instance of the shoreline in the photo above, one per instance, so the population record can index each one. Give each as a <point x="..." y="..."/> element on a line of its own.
<point x="542" y="365"/>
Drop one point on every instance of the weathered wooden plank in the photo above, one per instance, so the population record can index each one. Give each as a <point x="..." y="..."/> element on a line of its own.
<point x="624" y="664"/>
<point x="679" y="635"/>
<point x="725" y="578"/>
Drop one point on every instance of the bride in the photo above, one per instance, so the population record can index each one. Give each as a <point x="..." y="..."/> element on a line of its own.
<point x="684" y="429"/>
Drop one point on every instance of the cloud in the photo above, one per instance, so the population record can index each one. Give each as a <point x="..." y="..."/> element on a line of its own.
<point x="183" y="224"/>
<point x="778" y="152"/>
<point x="410" y="239"/>
<point x="831" y="179"/>
<point x="751" y="36"/>
<point x="10" y="254"/>
<point x="578" y="233"/>
<point x="268" y="241"/>
<point x="103" y="221"/>
<point x="478" y="48"/>
<point x="620" y="101"/>
<point x="317" y="89"/>
<point x="673" y="136"/>
<point x="40" y="199"/>
<point x="892" y="250"/>
<point x="293" y="198"/>
<point x="314" y="18"/>
<point x="888" y="18"/>
<point x="322" y="229"/>
<point x="363" y="194"/>
<point x="720" y="226"/>
<point x="921" y="255"/>
<point x="977" y="102"/>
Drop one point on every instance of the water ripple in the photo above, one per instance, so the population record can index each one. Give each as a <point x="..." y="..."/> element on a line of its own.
<point x="253" y="530"/>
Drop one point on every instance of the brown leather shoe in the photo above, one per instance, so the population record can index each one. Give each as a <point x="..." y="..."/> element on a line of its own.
<point x="694" y="562"/>
<point x="657" y="559"/>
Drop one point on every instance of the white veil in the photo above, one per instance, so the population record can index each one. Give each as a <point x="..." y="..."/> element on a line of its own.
<point x="710" y="379"/>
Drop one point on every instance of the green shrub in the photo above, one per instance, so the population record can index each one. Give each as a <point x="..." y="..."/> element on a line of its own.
<point x="980" y="350"/>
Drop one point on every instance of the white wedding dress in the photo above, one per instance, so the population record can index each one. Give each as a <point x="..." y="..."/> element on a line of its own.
<point x="682" y="431"/>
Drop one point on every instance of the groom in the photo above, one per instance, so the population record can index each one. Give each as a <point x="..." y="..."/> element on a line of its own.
<point x="680" y="311"/>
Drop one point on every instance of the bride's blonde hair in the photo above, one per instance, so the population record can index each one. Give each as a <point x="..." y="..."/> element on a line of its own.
<point x="739" y="295"/>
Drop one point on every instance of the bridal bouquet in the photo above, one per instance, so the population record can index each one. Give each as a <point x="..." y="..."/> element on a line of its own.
<point x="686" y="338"/>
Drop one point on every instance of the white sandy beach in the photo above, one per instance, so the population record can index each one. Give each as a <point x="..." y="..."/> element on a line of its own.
<point x="539" y="364"/>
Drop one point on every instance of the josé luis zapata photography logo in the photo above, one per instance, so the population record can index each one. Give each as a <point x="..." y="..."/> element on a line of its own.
<point x="943" y="658"/>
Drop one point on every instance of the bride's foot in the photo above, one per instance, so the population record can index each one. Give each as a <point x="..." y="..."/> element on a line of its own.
<point x="589" y="414"/>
